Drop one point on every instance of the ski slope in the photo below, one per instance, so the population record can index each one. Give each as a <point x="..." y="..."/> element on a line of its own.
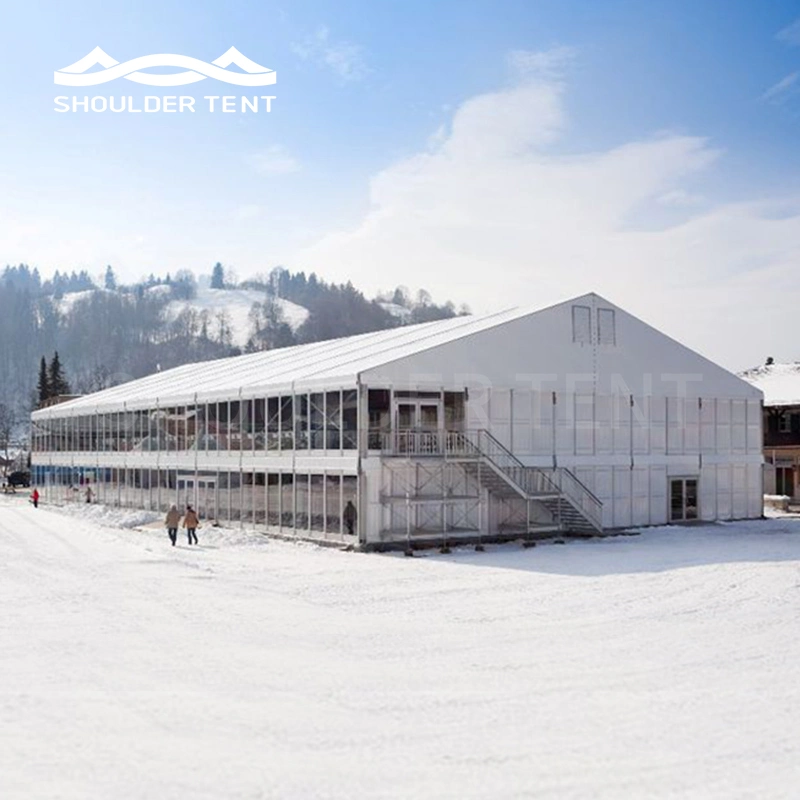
<point x="663" y="665"/>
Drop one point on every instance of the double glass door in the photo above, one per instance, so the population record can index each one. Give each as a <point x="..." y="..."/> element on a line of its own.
<point x="417" y="425"/>
<point x="683" y="499"/>
<point x="418" y="415"/>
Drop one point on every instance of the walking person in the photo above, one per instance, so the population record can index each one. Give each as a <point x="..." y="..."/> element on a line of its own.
<point x="35" y="498"/>
<point x="350" y="515"/>
<point x="89" y="493"/>
<point x="191" y="523"/>
<point x="172" y="522"/>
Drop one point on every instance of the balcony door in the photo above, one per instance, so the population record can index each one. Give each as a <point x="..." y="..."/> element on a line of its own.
<point x="418" y="415"/>
<point x="418" y="422"/>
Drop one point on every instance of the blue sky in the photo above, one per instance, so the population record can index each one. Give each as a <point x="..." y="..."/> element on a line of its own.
<point x="494" y="152"/>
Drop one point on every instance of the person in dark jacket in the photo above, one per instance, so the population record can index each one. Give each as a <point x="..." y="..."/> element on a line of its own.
<point x="172" y="522"/>
<point x="191" y="522"/>
<point x="350" y="515"/>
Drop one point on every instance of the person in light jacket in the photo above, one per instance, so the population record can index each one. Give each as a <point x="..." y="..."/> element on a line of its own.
<point x="172" y="522"/>
<point x="191" y="523"/>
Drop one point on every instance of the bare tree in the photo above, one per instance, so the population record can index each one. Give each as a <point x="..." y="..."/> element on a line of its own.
<point x="8" y="420"/>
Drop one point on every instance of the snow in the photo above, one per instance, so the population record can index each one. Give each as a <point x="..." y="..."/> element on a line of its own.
<point x="662" y="665"/>
<point x="396" y="310"/>
<point x="779" y="382"/>
<point x="236" y="303"/>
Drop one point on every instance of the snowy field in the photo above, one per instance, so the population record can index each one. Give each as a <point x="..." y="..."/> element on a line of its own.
<point x="665" y="665"/>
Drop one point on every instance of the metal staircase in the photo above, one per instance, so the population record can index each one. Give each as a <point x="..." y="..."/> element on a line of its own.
<point x="572" y="506"/>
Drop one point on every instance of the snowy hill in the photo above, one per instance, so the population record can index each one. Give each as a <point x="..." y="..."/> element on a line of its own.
<point x="236" y="304"/>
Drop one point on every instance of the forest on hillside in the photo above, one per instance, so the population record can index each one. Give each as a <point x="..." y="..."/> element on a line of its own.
<point x="106" y="332"/>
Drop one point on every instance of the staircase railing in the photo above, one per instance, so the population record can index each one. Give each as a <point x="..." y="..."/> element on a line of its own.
<point x="480" y="444"/>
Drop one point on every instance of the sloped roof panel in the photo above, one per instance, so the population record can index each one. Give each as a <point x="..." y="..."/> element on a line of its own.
<point x="334" y="363"/>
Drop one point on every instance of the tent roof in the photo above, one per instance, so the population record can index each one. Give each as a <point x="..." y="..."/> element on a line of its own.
<point x="333" y="363"/>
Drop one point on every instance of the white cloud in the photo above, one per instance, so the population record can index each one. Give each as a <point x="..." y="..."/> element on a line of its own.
<point x="790" y="34"/>
<point x="782" y="89"/>
<point x="543" y="64"/>
<point x="343" y="58"/>
<point x="274" y="160"/>
<point x="488" y="215"/>
<point x="680" y="198"/>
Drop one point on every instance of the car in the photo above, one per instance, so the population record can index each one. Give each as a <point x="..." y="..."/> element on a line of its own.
<point x="19" y="478"/>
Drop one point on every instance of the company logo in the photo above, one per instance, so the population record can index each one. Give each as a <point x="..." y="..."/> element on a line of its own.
<point x="194" y="70"/>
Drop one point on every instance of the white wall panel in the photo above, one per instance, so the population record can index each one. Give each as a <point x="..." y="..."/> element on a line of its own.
<point x="565" y="424"/>
<point x="604" y="490"/>
<point x="604" y="425"/>
<point x="542" y="412"/>
<point x="478" y="407"/>
<point x="621" y="405"/>
<point x="640" y="421"/>
<point x="739" y="426"/>
<point x="739" y="491"/>
<point x="708" y="492"/>
<point x="708" y="426"/>
<point x="640" y="504"/>
<point x="724" y="500"/>
<point x="691" y="433"/>
<point x="521" y="402"/>
<point x="658" y="425"/>
<point x="500" y="414"/>
<point x="723" y="426"/>
<point x="755" y="490"/>
<point x="658" y="495"/>
<point x="584" y="424"/>
<point x="754" y="423"/>
<point x="676" y="417"/>
<point x="622" y="497"/>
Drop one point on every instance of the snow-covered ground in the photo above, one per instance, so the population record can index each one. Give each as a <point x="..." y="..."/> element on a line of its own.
<point x="664" y="665"/>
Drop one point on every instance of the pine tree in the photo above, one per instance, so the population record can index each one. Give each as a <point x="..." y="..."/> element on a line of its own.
<point x="218" y="277"/>
<point x="111" y="279"/>
<point x="57" y="382"/>
<point x="44" y="382"/>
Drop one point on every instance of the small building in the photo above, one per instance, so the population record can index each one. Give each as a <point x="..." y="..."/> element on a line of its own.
<point x="573" y="418"/>
<point x="780" y="384"/>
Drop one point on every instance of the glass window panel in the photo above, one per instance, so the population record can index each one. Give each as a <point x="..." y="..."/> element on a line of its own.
<point x="274" y="499"/>
<point x="349" y="504"/>
<point x="273" y="423"/>
<point x="691" y="499"/>
<point x="676" y="500"/>
<point x="317" y="421"/>
<point x="317" y="502"/>
<point x="332" y="420"/>
<point x="287" y="500"/>
<point x="301" y="421"/>
<point x="235" y="426"/>
<point x="287" y="435"/>
<point x="260" y="423"/>
<point x="350" y="419"/>
<point x="301" y="500"/>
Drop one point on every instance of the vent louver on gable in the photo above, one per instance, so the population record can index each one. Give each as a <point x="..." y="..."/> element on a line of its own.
<point x="606" y="326"/>
<point x="582" y="324"/>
